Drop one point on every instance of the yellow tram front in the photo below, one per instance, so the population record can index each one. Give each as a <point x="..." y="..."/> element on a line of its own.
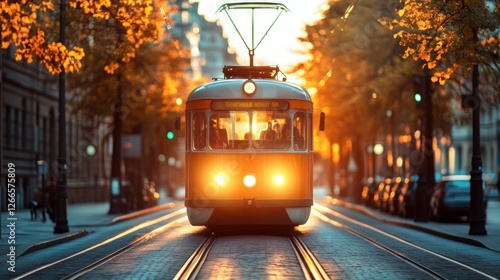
<point x="249" y="153"/>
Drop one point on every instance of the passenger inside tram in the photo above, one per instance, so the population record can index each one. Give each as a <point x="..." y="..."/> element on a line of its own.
<point x="298" y="140"/>
<point x="269" y="133"/>
<point x="276" y="128"/>
<point x="218" y="136"/>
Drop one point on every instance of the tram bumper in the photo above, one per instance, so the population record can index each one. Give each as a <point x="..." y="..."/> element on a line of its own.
<point x="248" y="211"/>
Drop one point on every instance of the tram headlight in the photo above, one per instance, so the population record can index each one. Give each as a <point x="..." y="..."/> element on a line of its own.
<point x="249" y="87"/>
<point x="249" y="180"/>
<point x="278" y="180"/>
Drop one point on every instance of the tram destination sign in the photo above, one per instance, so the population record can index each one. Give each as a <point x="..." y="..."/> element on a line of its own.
<point x="250" y="104"/>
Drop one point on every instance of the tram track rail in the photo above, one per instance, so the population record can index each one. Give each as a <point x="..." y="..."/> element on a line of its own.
<point x="341" y="221"/>
<point x="192" y="266"/>
<point x="174" y="218"/>
<point x="309" y="264"/>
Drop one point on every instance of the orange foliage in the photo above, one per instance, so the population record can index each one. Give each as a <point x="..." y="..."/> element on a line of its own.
<point x="21" y="27"/>
<point x="440" y="34"/>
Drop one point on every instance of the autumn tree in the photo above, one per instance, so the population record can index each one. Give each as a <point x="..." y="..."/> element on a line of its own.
<point x="451" y="39"/>
<point x="22" y="26"/>
<point x="31" y="26"/>
<point x="439" y="35"/>
<point x="130" y="59"/>
<point x="361" y="83"/>
<point x="115" y="44"/>
<point x="150" y="84"/>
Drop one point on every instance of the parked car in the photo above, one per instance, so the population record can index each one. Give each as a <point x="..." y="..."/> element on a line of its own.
<point x="368" y="192"/>
<point x="382" y="190"/>
<point x="385" y="204"/>
<point x="392" y="204"/>
<point x="149" y="194"/>
<point x="406" y="198"/>
<point x="451" y="198"/>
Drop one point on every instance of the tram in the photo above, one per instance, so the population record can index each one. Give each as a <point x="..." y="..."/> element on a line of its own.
<point x="249" y="150"/>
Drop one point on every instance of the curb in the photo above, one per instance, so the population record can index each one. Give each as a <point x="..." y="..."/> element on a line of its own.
<point x="56" y="241"/>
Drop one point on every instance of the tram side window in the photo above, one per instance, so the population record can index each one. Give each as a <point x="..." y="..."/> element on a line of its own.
<point x="309" y="140"/>
<point x="199" y="127"/>
<point x="299" y="130"/>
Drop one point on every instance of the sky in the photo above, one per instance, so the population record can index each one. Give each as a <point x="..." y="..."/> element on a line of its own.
<point x="280" y="46"/>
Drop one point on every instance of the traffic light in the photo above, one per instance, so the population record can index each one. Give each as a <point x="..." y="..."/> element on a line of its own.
<point x="418" y="97"/>
<point x="170" y="135"/>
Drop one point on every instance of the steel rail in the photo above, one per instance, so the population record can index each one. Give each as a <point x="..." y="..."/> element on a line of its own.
<point x="310" y="265"/>
<point x="192" y="266"/>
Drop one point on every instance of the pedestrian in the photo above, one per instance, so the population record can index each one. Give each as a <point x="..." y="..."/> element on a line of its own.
<point x="498" y="185"/>
<point x="37" y="204"/>
<point x="51" y="190"/>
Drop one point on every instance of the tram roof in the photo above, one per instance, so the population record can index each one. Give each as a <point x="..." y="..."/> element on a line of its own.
<point x="233" y="89"/>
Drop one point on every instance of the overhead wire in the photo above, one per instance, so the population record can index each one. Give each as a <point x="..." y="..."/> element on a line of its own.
<point x="164" y="15"/>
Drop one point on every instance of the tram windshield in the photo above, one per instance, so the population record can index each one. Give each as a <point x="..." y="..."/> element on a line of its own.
<point x="240" y="130"/>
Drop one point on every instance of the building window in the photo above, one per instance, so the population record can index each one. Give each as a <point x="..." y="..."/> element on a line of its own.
<point x="43" y="144"/>
<point x="16" y="128"/>
<point x="8" y="126"/>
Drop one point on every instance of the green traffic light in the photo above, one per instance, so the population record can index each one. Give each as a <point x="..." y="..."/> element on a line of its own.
<point x="170" y="135"/>
<point x="418" y="97"/>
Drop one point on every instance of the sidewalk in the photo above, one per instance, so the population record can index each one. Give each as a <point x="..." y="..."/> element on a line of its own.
<point x="82" y="218"/>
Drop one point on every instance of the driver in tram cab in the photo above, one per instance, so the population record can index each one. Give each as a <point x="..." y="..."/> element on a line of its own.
<point x="277" y="129"/>
<point x="216" y="141"/>
<point x="214" y="135"/>
<point x="269" y="133"/>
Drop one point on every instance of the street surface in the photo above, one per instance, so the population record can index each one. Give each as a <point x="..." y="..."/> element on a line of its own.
<point x="347" y="244"/>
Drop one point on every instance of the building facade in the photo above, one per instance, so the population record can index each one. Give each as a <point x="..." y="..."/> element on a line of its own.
<point x="459" y="149"/>
<point x="29" y="135"/>
<point x="210" y="50"/>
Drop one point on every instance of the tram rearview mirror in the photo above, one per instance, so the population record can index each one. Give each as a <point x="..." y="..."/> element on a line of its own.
<point x="322" y="121"/>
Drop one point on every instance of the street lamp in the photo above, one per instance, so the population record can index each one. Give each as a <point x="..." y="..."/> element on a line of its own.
<point x="90" y="151"/>
<point x="61" y="225"/>
<point x="378" y="149"/>
<point x="477" y="216"/>
<point x="392" y="150"/>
